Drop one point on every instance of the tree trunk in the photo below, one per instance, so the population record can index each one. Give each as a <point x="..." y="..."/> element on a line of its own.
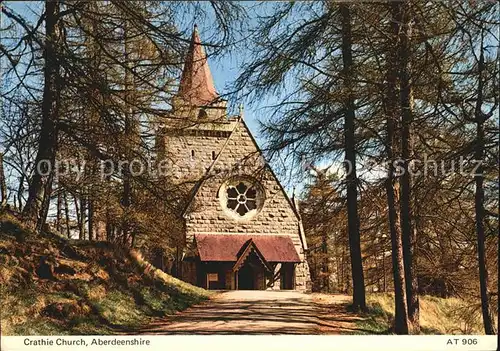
<point x="83" y="217"/>
<point x="324" y="249"/>
<point x="392" y="187"/>
<point x="342" y="270"/>
<point x="108" y="231"/>
<point x="488" y="321"/>
<point x="94" y="55"/>
<point x="406" y="101"/>
<point x="59" y="211"/>
<point x="110" y="236"/>
<point x="66" y="214"/>
<point x="3" y="184"/>
<point x="383" y="271"/>
<point x="91" y="219"/>
<point x="44" y="209"/>
<point x="20" y="191"/>
<point x="78" y="218"/>
<point x="489" y="326"/>
<point x="47" y="147"/>
<point x="127" y="187"/>
<point x="401" y="313"/>
<point x="359" y="299"/>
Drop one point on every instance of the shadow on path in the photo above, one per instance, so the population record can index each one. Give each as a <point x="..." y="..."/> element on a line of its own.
<point x="260" y="312"/>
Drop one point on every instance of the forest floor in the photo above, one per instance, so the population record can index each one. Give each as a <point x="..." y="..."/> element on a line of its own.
<point x="263" y="312"/>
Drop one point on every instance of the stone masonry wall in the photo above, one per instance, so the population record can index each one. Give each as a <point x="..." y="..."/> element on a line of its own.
<point x="239" y="157"/>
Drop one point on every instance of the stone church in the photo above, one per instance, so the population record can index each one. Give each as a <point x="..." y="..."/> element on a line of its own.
<point x="240" y="228"/>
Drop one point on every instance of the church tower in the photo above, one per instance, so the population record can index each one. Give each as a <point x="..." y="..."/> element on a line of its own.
<point x="198" y="125"/>
<point x="197" y="98"/>
<point x="241" y="230"/>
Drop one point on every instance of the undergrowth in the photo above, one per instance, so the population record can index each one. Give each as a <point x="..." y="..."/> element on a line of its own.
<point x="437" y="315"/>
<point x="50" y="285"/>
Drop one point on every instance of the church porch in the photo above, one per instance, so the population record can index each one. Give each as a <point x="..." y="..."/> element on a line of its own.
<point x="239" y="262"/>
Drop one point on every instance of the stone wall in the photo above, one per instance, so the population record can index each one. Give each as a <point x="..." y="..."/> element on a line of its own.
<point x="189" y="154"/>
<point x="302" y="277"/>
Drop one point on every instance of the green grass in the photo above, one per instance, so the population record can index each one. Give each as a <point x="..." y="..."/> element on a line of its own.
<point x="97" y="288"/>
<point x="437" y="315"/>
<point x="376" y="321"/>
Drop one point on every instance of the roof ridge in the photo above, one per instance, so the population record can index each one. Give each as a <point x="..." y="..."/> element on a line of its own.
<point x="248" y="245"/>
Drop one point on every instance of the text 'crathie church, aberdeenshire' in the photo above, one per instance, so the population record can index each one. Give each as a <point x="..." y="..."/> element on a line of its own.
<point x="240" y="230"/>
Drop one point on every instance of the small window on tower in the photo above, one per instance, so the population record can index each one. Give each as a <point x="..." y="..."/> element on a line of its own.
<point x="192" y="154"/>
<point x="213" y="155"/>
<point x="202" y="114"/>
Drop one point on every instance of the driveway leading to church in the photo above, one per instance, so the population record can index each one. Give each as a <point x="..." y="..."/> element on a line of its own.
<point x="262" y="312"/>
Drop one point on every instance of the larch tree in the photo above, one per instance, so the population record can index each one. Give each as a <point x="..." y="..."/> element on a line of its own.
<point x="359" y="299"/>
<point x="393" y="153"/>
<point x="3" y="184"/>
<point x="404" y="16"/>
<point x="36" y="207"/>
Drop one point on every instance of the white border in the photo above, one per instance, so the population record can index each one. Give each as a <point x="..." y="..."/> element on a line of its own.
<point x="266" y="342"/>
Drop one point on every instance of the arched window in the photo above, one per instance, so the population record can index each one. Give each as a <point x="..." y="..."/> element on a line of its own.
<point x="213" y="155"/>
<point x="202" y="114"/>
<point x="192" y="154"/>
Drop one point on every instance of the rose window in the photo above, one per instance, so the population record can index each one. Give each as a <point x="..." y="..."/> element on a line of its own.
<point x="241" y="198"/>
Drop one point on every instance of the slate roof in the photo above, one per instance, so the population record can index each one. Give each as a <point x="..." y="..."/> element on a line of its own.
<point x="197" y="85"/>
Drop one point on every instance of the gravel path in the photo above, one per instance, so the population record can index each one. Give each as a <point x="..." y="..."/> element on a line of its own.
<point x="262" y="312"/>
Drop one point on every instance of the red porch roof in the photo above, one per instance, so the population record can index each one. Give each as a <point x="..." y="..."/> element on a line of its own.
<point x="225" y="247"/>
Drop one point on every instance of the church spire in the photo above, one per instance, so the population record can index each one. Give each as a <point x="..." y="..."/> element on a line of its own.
<point x="197" y="86"/>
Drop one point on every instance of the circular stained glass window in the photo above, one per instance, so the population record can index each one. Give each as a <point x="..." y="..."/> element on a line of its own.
<point x="242" y="198"/>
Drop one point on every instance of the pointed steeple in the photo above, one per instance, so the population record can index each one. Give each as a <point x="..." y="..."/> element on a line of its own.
<point x="197" y="86"/>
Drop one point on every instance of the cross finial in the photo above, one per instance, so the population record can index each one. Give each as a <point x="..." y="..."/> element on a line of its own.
<point x="241" y="110"/>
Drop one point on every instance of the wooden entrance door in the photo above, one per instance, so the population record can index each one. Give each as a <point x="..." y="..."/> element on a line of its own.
<point x="246" y="278"/>
<point x="252" y="274"/>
